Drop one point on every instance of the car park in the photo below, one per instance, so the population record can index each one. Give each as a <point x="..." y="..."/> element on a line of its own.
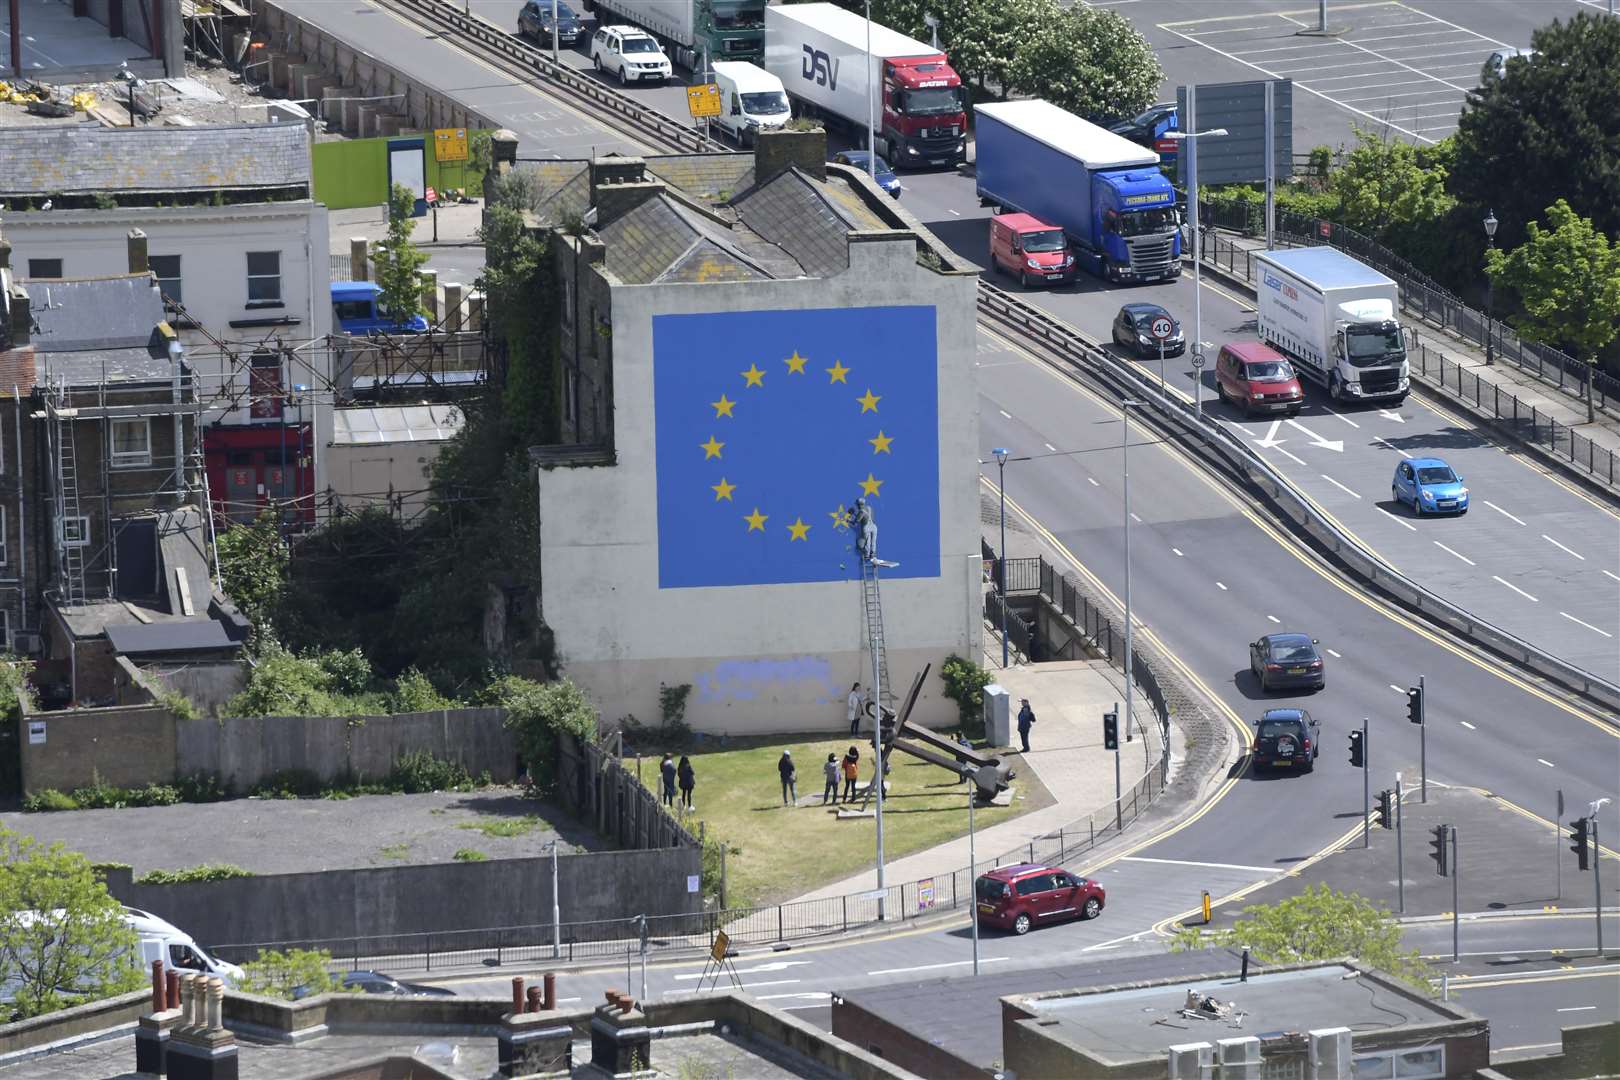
<point x="886" y="179"/>
<point x="631" y="54"/>
<point x="1133" y="331"/>
<point x="1287" y="661"/>
<point x="1286" y="739"/>
<point x="534" y="23"/>
<point x="1257" y="378"/>
<point x="1429" y="486"/>
<point x="1024" y="896"/>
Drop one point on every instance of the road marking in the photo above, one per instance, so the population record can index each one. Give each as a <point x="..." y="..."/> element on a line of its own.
<point x="1588" y="625"/>
<point x="1338" y="485"/>
<point x="1220" y="586"/>
<point x="1343" y="417"/>
<point x="1050" y="447"/>
<point x="1092" y="482"/>
<point x="1578" y="1008"/>
<point x="1467" y="725"/>
<point x="1392" y="446"/>
<point x="1206" y="865"/>
<point x="1547" y="763"/>
<point x="958" y="213"/>
<point x="1005" y="413"/>
<point x="1133" y="518"/>
<point x="818" y="995"/>
<point x="1453" y="551"/>
<point x="1612" y="574"/>
<point x="1179" y="555"/>
<point x="1501" y="511"/>
<point x="760" y="969"/>
<point x="1518" y="590"/>
<point x="1556" y="544"/>
<point x="1335" y="655"/>
<point x="1290" y="455"/>
<point x="1397" y="689"/>
<point x="935" y="967"/>
<point x="1397" y="520"/>
<point x="1336" y="445"/>
<point x="745" y="986"/>
<point x="1273" y="618"/>
<point x="1391" y="414"/>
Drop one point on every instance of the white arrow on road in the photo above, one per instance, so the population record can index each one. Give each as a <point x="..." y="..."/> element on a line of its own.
<point x="1336" y="445"/>
<point x="1391" y="414"/>
<point x="1271" y="436"/>
<point x="779" y="965"/>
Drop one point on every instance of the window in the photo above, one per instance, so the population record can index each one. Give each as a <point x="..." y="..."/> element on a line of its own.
<point x="131" y="443"/>
<point x="1031" y="885"/>
<point x="264" y="277"/>
<point x="1421" y="1064"/>
<point x="44" y="268"/>
<point x="76" y="531"/>
<point x="166" y="268"/>
<point x="4" y="553"/>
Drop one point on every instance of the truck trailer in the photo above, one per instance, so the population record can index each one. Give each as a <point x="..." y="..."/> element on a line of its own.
<point x="819" y="51"/>
<point x="693" y="32"/>
<point x="1338" y="319"/>
<point x="1105" y="192"/>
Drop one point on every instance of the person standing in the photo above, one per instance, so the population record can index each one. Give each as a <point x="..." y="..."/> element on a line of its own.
<point x="1026" y="720"/>
<point x="852" y="772"/>
<point x="829" y="790"/>
<point x="852" y="709"/>
<point x="688" y="780"/>
<point x="666" y="769"/>
<point x="790" y="777"/>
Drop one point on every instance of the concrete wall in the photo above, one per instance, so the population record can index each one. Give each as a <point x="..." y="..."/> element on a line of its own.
<point x="762" y="658"/>
<point x="126" y="747"/>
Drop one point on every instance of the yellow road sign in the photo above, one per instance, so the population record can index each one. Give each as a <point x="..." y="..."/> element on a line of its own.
<point x="703" y="101"/>
<point x="450" y="144"/>
<point x="722" y="942"/>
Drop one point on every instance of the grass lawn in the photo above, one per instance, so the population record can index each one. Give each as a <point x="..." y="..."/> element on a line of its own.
<point x="789" y="851"/>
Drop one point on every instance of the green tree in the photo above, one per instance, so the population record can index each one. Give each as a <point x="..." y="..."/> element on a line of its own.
<point x="282" y="974"/>
<point x="1385" y="182"/>
<point x="1568" y="282"/>
<point x="981" y="36"/>
<point x="1547" y="126"/>
<point x="964" y="684"/>
<point x="536" y="712"/>
<point x="398" y="261"/>
<point x="253" y="568"/>
<point x="1319" y="924"/>
<point x="1091" y="61"/>
<point x="62" y="935"/>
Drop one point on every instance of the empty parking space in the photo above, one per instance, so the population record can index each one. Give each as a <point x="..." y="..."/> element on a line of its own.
<point x="1390" y="63"/>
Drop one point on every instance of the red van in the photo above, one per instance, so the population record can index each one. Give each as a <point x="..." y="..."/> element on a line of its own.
<point x="1258" y="378"/>
<point x="1030" y="250"/>
<point x="1027" y="895"/>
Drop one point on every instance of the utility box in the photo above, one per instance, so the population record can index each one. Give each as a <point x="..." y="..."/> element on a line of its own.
<point x="997" y="715"/>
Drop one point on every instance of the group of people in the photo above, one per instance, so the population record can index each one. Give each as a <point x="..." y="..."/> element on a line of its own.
<point x="673" y="776"/>
<point x="833" y="770"/>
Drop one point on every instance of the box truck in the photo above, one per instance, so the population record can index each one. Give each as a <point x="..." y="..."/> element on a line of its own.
<point x="819" y="51"/>
<point x="1104" y="191"/>
<point x="751" y="100"/>
<point x="1338" y="319"/>
<point x="693" y="32"/>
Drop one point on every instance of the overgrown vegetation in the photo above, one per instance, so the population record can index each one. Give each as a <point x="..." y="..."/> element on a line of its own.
<point x="503" y="828"/>
<point x="468" y="854"/>
<point x="285" y="975"/>
<point x="204" y="872"/>
<point x="964" y="684"/>
<point x="536" y="713"/>
<point x="330" y="683"/>
<point x="100" y="795"/>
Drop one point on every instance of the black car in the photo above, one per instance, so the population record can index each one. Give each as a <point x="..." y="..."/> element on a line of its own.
<point x="1287" y="661"/>
<point x="534" y="23"/>
<point x="375" y="982"/>
<point x="1144" y="128"/>
<point x="1287" y="739"/>
<point x="1133" y="330"/>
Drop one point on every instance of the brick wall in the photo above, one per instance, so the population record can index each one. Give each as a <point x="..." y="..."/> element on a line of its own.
<point x="124" y="746"/>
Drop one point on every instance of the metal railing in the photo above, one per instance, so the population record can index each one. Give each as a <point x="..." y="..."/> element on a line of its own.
<point x="1519" y="419"/>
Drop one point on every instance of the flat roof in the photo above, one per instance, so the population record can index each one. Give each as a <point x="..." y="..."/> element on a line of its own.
<point x="1325" y="267"/>
<point x="1068" y="134"/>
<point x="395" y="424"/>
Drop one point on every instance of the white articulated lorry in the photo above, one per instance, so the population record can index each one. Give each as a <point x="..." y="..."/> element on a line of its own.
<point x="1338" y="319"/>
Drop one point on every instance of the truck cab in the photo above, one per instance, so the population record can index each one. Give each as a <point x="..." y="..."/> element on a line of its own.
<point x="355" y="311"/>
<point x="924" y="120"/>
<point x="751" y="100"/>
<point x="1336" y="318"/>
<point x="1137" y="225"/>
<point x="1030" y="250"/>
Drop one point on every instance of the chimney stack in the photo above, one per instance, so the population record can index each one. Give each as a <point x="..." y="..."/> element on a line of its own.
<point x="138" y="262"/>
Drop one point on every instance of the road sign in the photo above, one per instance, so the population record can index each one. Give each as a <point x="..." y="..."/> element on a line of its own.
<point x="1240" y="155"/>
<point x="450" y="144"/>
<point x="1162" y="327"/>
<point x="1198" y="359"/>
<point x="703" y="101"/>
<point x="717" y="951"/>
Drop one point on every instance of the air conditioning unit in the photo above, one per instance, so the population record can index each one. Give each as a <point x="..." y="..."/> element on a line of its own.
<point x="1191" y="1061"/>
<point x="27" y="644"/>
<point x="1240" y="1058"/>
<point x="1330" y="1054"/>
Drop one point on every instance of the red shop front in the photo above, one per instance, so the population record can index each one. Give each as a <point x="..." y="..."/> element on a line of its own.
<point x="251" y="469"/>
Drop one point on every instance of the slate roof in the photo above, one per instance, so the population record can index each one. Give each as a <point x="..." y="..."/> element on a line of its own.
<point x="791" y="211"/>
<point x="660" y="240"/>
<point x="84" y="158"/>
<point x="89" y="329"/>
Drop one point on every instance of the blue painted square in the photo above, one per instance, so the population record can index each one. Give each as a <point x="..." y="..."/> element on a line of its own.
<point x="771" y="422"/>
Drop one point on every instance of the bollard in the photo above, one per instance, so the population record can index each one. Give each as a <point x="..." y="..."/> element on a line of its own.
<point x="159" y="987"/>
<point x="534" y="999"/>
<point x="551" y="991"/>
<point x="517" y="993"/>
<point x="172" y="978"/>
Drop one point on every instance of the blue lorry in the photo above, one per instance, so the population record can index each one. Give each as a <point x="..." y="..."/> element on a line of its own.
<point x="355" y="311"/>
<point x="1105" y="192"/>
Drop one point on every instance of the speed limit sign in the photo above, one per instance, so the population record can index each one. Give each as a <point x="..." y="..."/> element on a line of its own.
<point x="1162" y="327"/>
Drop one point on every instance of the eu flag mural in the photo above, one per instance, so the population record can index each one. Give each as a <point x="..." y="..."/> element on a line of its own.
<point x="770" y="424"/>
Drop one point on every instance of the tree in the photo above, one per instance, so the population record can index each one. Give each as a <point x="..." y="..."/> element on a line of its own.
<point x="253" y="568"/>
<point x="1091" y="61"/>
<point x="1319" y="924"/>
<point x="62" y="935"/>
<point x="290" y="974"/>
<point x="1386" y="183"/>
<point x="1547" y="126"/>
<point x="1568" y="282"/>
<point x="536" y="713"/>
<point x="981" y="36"/>
<point x="399" y="262"/>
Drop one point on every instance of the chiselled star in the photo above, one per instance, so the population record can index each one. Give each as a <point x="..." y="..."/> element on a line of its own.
<point x="798" y="530"/>
<point x="722" y="490"/>
<point x="756" y="520"/>
<point x="871" y="484"/>
<point x="723" y="407"/>
<point x="795" y="363"/>
<point x="869" y="401"/>
<point x="840" y="517"/>
<point x="711" y="449"/>
<point x="754" y="376"/>
<point x="880" y="445"/>
<point x="837" y="373"/>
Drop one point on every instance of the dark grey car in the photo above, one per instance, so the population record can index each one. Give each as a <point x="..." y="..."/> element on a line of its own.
<point x="1287" y="661"/>
<point x="534" y="23"/>
<point x="1133" y="330"/>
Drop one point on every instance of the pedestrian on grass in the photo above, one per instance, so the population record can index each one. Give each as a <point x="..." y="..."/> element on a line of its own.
<point x="852" y="709"/>
<point x="790" y="777"/>
<point x="666" y="769"/>
<point x="829" y="790"/>
<point x="688" y="779"/>
<point x="1026" y="720"/>
<point x="852" y="771"/>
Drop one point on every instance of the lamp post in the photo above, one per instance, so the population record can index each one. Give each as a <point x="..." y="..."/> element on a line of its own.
<point x="973" y="870"/>
<point x="1125" y="408"/>
<point x="1001" y="565"/>
<point x="1191" y="139"/>
<point x="871" y="111"/>
<point x="1490" y="287"/>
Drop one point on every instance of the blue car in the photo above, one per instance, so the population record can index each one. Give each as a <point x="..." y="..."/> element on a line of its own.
<point x="355" y="311"/>
<point x="1429" y="486"/>
<point x="885" y="175"/>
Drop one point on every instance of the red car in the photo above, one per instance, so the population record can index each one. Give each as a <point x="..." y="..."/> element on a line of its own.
<point x="1258" y="378"/>
<point x="1019" y="897"/>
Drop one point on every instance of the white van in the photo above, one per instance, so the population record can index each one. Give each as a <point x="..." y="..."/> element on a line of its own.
<point x="751" y="100"/>
<point x="162" y="940"/>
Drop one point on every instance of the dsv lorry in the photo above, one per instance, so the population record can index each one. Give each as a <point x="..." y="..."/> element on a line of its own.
<point x="1337" y="319"/>
<point x="1104" y="191"/>
<point x="819" y="53"/>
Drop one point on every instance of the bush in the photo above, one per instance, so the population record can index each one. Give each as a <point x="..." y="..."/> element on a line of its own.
<point x="289" y="784"/>
<point x="201" y="788"/>
<point x="468" y="854"/>
<point x="419" y="771"/>
<point x="205" y="872"/>
<point x="279" y="974"/>
<point x="415" y="692"/>
<point x="41" y="802"/>
<point x="536" y="713"/>
<point x="180" y="706"/>
<point x="964" y="684"/>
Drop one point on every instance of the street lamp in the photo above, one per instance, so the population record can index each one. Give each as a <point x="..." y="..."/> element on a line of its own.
<point x="1001" y="566"/>
<point x="1191" y="139"/>
<point x="1125" y="407"/>
<point x="871" y="111"/>
<point x="1490" y="286"/>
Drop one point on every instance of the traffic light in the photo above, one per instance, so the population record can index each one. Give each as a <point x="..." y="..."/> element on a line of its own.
<point x="1385" y="815"/>
<point x="1111" y="730"/>
<point x="1414" y="704"/>
<point x="1578" y="843"/>
<point x="1357" y="753"/>
<point x="1438" y="849"/>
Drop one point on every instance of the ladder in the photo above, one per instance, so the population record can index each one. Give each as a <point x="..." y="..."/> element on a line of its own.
<point x="67" y="486"/>
<point x="872" y="603"/>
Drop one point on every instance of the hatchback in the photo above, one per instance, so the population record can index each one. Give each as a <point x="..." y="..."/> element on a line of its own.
<point x="885" y="176"/>
<point x="1429" y="486"/>
<point x="1133" y="330"/>
<point x="1286" y="739"/>
<point x="534" y="23"/>
<point x="631" y="54"/>
<point x="1257" y="378"/>
<point x="1286" y="660"/>
<point x="1020" y="897"/>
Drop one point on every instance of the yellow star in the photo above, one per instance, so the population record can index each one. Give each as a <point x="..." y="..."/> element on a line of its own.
<point x="840" y="517"/>
<point x="869" y="402"/>
<point x="798" y="530"/>
<point x="723" y="490"/>
<point x="723" y="407"/>
<point x="756" y="520"/>
<point x="870" y="485"/>
<point x="837" y="371"/>
<point x="795" y="363"/>
<point x="880" y="445"/>
<point x="754" y="376"/>
<point x="711" y="449"/>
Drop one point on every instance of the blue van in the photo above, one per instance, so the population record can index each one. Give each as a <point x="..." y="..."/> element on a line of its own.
<point x="354" y="310"/>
